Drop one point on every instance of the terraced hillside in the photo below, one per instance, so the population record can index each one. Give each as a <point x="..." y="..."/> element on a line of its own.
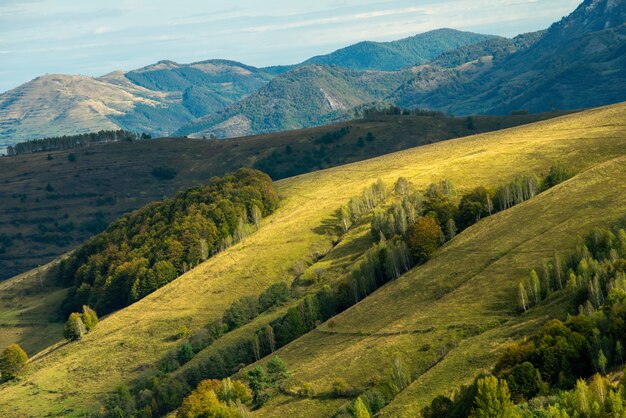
<point x="464" y="298"/>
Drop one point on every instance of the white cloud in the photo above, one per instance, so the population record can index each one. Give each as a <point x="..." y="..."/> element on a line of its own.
<point x="102" y="29"/>
<point x="67" y="36"/>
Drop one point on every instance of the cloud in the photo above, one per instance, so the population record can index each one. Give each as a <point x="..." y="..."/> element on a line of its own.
<point x="101" y="30"/>
<point x="67" y="36"/>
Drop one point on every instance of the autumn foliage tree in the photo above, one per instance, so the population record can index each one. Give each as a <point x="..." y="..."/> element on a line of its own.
<point x="12" y="361"/>
<point x="424" y="237"/>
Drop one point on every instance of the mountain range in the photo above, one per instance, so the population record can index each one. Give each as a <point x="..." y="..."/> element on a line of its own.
<point x="578" y="62"/>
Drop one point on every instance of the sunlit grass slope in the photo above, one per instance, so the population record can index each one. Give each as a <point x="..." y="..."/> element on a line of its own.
<point x="28" y="310"/>
<point x="471" y="281"/>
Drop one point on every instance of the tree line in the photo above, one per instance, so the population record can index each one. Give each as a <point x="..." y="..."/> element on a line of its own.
<point x="64" y="142"/>
<point x="149" y="248"/>
<point x="560" y="370"/>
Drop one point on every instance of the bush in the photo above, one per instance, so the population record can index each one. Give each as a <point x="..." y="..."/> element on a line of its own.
<point x="89" y="317"/>
<point x="274" y="295"/>
<point x="74" y="327"/>
<point x="164" y="173"/>
<point x="12" y="361"/>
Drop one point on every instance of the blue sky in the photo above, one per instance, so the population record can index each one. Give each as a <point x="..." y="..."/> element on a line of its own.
<point x="93" y="37"/>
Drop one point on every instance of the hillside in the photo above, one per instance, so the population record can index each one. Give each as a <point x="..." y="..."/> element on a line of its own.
<point x="157" y="99"/>
<point x="395" y="55"/>
<point x="579" y="62"/>
<point x="162" y="97"/>
<point x="469" y="285"/>
<point x="306" y="96"/>
<point x="40" y="223"/>
<point x="55" y="105"/>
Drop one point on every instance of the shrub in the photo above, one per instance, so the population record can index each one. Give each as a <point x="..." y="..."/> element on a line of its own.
<point x="274" y="295"/>
<point x="89" y="317"/>
<point x="164" y="173"/>
<point x="12" y="361"/>
<point x="74" y="327"/>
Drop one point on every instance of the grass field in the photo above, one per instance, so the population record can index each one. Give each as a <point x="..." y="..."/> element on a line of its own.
<point x="470" y="284"/>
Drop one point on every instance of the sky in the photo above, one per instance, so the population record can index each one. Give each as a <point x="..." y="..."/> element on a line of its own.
<point x="94" y="37"/>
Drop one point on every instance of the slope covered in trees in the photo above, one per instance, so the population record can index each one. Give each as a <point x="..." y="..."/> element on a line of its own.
<point x="390" y="56"/>
<point x="461" y="303"/>
<point x="149" y="248"/>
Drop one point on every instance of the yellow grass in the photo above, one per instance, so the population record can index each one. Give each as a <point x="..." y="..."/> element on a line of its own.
<point x="470" y="282"/>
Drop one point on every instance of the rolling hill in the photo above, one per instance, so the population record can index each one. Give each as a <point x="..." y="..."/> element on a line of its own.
<point x="462" y="300"/>
<point x="49" y="205"/>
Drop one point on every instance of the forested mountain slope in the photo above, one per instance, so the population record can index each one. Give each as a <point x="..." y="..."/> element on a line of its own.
<point x="469" y="283"/>
<point x="579" y="62"/>
<point x="395" y="55"/>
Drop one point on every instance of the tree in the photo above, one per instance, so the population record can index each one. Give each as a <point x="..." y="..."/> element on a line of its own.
<point x="522" y="296"/>
<point x="423" y="238"/>
<point x="185" y="353"/>
<point x="12" y="361"/>
<point x="204" y="403"/>
<point x="558" y="173"/>
<point x="74" y="327"/>
<point x="89" y="317"/>
<point x="492" y="399"/>
<point x="439" y="407"/>
<point x="602" y="362"/>
<point x="258" y="382"/>
<point x="274" y="295"/>
<point x="524" y="382"/>
<point x="277" y="372"/>
<point x="360" y="409"/>
<point x="473" y="206"/>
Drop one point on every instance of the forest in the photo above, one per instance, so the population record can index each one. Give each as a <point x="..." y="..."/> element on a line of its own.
<point x="64" y="142"/>
<point x="148" y="248"/>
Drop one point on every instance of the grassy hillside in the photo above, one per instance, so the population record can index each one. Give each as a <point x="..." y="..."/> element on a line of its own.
<point x="39" y="223"/>
<point x="469" y="285"/>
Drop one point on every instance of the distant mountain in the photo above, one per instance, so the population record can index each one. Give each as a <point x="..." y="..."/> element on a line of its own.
<point x="207" y="86"/>
<point x="62" y="104"/>
<point x="161" y="98"/>
<point x="392" y="56"/>
<point x="157" y="99"/>
<point x="306" y="96"/>
<point x="579" y="62"/>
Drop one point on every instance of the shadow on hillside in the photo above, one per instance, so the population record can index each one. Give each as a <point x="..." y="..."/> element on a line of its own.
<point x="330" y="226"/>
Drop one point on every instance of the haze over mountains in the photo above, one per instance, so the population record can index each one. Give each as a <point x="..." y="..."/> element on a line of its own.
<point x="456" y="72"/>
